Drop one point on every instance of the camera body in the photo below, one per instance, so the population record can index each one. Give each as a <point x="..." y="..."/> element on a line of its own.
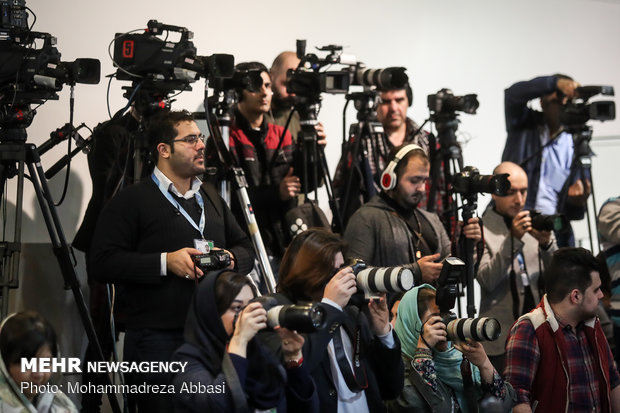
<point x="575" y="113"/>
<point x="542" y="222"/>
<point x="470" y="182"/>
<point x="460" y="329"/>
<point x="445" y="102"/>
<point x="212" y="260"/>
<point x="303" y="318"/>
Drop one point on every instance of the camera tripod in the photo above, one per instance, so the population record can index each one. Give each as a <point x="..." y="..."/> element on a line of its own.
<point x="15" y="156"/>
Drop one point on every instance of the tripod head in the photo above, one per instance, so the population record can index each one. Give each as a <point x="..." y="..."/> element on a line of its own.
<point x="365" y="103"/>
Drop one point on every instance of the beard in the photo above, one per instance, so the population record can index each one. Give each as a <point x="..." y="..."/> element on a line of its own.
<point x="410" y="202"/>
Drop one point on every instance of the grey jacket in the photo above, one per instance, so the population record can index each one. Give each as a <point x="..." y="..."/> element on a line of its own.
<point x="382" y="239"/>
<point x="494" y="274"/>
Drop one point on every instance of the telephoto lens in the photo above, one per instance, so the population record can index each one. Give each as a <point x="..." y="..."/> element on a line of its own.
<point x="477" y="329"/>
<point x="385" y="279"/>
<point x="303" y="318"/>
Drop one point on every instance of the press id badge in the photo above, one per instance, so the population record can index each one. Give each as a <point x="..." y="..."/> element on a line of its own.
<point x="203" y="245"/>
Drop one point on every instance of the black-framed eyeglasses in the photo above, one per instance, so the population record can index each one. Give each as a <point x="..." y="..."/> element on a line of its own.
<point x="191" y="139"/>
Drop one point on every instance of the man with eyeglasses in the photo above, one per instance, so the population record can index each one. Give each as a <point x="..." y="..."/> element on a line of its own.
<point x="391" y="230"/>
<point x="146" y="237"/>
<point x="540" y="145"/>
<point x="266" y="157"/>
<point x="514" y="258"/>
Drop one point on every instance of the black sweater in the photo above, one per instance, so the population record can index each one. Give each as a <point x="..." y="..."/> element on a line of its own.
<point x="134" y="229"/>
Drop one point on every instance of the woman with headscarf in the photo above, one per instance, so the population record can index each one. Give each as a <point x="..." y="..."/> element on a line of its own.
<point x="434" y="379"/>
<point x="28" y="335"/>
<point x="238" y="374"/>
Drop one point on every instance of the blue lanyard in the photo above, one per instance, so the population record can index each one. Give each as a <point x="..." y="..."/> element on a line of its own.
<point x="178" y="206"/>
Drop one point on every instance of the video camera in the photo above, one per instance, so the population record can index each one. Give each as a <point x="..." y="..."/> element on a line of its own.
<point x="469" y="181"/>
<point x="305" y="318"/>
<point x="170" y="65"/>
<point x="460" y="329"/>
<point x="445" y="102"/>
<point x="375" y="280"/>
<point x="308" y="81"/>
<point x="577" y="112"/>
<point x="31" y="75"/>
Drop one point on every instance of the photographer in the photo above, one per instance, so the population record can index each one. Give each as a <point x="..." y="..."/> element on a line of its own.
<point x="30" y="336"/>
<point x="282" y="102"/>
<point x="311" y="271"/>
<point x="146" y="237"/>
<point x="391" y="230"/>
<point x="220" y="331"/>
<point x="538" y="143"/>
<point x="515" y="255"/>
<point x="557" y="357"/>
<point x="267" y="162"/>
<point x="434" y="380"/>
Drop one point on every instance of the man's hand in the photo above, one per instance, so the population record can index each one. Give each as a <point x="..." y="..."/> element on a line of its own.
<point x="180" y="263"/>
<point x="472" y="229"/>
<point x="429" y="268"/>
<point x="568" y="88"/>
<point x="578" y="193"/>
<point x="379" y="316"/>
<point x="289" y="186"/>
<point x="521" y="223"/>
<point x="543" y="237"/>
<point x="320" y="133"/>
<point x="341" y="287"/>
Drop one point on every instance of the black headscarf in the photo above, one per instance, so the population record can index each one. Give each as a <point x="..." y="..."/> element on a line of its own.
<point x="206" y="341"/>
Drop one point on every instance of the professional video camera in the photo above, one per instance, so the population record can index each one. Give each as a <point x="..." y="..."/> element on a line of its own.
<point x="31" y="74"/>
<point x="308" y="81"/>
<point x="577" y="112"/>
<point x="305" y="318"/>
<point x="445" y="102"/>
<point x="542" y="222"/>
<point x="170" y="65"/>
<point x="460" y="329"/>
<point x="212" y="260"/>
<point x="469" y="181"/>
<point x="374" y="280"/>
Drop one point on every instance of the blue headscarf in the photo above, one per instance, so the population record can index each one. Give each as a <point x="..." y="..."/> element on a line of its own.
<point x="447" y="363"/>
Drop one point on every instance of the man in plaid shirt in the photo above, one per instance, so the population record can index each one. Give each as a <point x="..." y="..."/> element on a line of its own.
<point x="557" y="357"/>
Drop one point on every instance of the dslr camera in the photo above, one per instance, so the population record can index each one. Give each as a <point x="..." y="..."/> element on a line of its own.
<point x="577" y="112"/>
<point x="470" y="182"/>
<point x="212" y="260"/>
<point x="460" y="329"/>
<point x="542" y="222"/>
<point x="445" y="102"/>
<point x="303" y="318"/>
<point x="375" y="280"/>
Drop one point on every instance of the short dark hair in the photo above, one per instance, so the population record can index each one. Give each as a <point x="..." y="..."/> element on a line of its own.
<point x="162" y="129"/>
<point x="227" y="287"/>
<point x="402" y="163"/>
<point x="241" y="70"/>
<point x="23" y="335"/>
<point x="570" y="268"/>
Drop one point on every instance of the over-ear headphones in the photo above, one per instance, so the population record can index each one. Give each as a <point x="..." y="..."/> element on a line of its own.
<point x="409" y="93"/>
<point x="388" y="177"/>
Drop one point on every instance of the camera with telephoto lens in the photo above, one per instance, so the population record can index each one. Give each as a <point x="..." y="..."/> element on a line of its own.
<point x="375" y="280"/>
<point x="542" y="222"/>
<point x="575" y="113"/>
<point x="445" y="102"/>
<point x="212" y="260"/>
<point x="460" y="329"/>
<point x="303" y="318"/>
<point x="469" y="181"/>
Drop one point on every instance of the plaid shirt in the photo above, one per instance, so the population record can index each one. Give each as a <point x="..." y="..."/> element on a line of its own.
<point x="523" y="357"/>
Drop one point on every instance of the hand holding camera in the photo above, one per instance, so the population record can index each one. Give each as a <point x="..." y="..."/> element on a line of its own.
<point x="433" y="333"/>
<point x="181" y="263"/>
<point x="341" y="286"/>
<point x="379" y="315"/>
<point x="292" y="343"/>
<point x="474" y="352"/>
<point x="429" y="268"/>
<point x="521" y="223"/>
<point x="252" y="319"/>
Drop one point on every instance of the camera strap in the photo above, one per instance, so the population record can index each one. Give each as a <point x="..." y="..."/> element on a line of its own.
<point x="351" y="376"/>
<point x="234" y="384"/>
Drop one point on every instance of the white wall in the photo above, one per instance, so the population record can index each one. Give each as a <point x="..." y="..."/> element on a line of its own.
<point x="479" y="46"/>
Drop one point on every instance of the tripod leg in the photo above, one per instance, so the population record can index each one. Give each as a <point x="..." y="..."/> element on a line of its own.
<point x="62" y="252"/>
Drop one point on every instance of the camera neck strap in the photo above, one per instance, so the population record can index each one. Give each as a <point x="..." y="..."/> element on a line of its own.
<point x="354" y="373"/>
<point x="201" y="225"/>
